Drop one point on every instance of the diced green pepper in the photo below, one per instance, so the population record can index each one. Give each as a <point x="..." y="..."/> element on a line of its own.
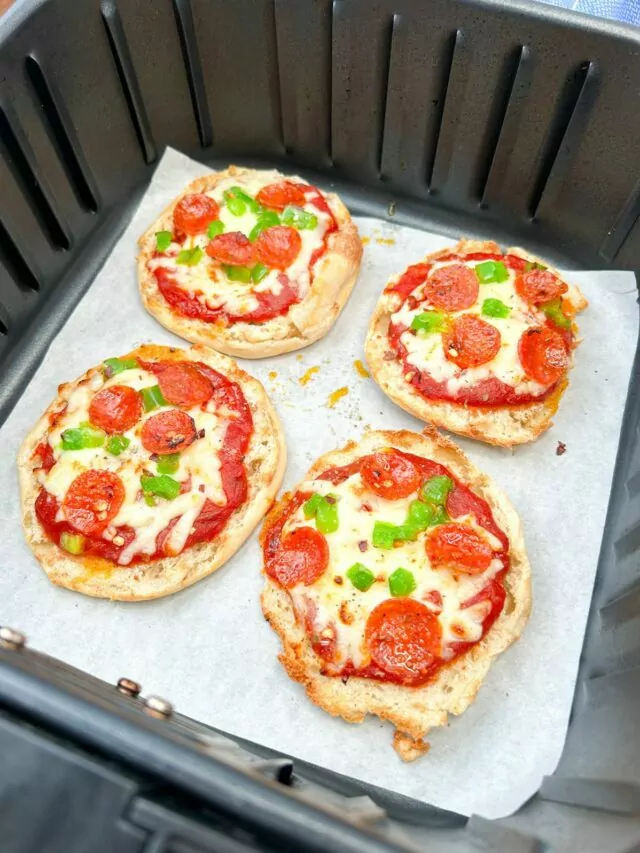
<point x="79" y="438"/>
<point x="216" y="227"/>
<point x="118" y="365"/>
<point x="428" y="321"/>
<point x="152" y="398"/>
<point x="360" y="576"/>
<point x="190" y="257"/>
<point x="437" y="488"/>
<point x="163" y="240"/>
<point x="258" y="272"/>
<point x="495" y="308"/>
<point x="401" y="582"/>
<point x="149" y="500"/>
<point x="327" y="516"/>
<point x="299" y="218"/>
<point x="491" y="272"/>
<point x="234" y="273"/>
<point x="553" y="310"/>
<point x="384" y="534"/>
<point x="72" y="543"/>
<point x="266" y="219"/>
<point x="406" y="532"/>
<point x="235" y="193"/>
<point x="162" y="486"/>
<point x="310" y="507"/>
<point x="168" y="464"/>
<point x="117" y="443"/>
<point x="533" y="265"/>
<point x="420" y="515"/>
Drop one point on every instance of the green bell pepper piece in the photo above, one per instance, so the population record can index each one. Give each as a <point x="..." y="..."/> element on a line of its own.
<point x="266" y="219"/>
<point x="163" y="240"/>
<point x="72" y="543"/>
<point x="117" y="443"/>
<point x="491" y="272"/>
<point x="428" y="321"/>
<point x="495" y="308"/>
<point x="118" y="365"/>
<point x="168" y="464"/>
<point x="258" y="272"/>
<point x="436" y="489"/>
<point x="420" y="515"/>
<point x="310" y="507"/>
<point x="233" y="273"/>
<point x="161" y="486"/>
<point x="553" y="310"/>
<point x="299" y="218"/>
<point x="360" y="576"/>
<point x="152" y="398"/>
<point x="190" y="257"/>
<point x="327" y="516"/>
<point x="79" y="438"/>
<point x="216" y="227"/>
<point x="401" y="583"/>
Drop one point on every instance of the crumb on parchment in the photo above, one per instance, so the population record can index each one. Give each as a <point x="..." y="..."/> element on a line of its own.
<point x="561" y="448"/>
<point x="273" y="374"/>
<point x="360" y="369"/>
<point x="365" y="241"/>
<point x="385" y="241"/>
<point x="336" y="396"/>
<point x="299" y="357"/>
<point x="308" y="376"/>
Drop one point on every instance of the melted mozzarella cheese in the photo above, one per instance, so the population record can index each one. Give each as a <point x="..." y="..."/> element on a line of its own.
<point x="338" y="603"/>
<point x="200" y="463"/>
<point x="207" y="282"/>
<point x="426" y="351"/>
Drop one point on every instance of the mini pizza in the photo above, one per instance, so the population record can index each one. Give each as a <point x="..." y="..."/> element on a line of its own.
<point x="250" y="263"/>
<point x="395" y="573"/>
<point x="147" y="473"/>
<point x="477" y="341"/>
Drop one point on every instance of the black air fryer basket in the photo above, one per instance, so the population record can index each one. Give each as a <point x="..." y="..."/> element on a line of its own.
<point x="508" y="120"/>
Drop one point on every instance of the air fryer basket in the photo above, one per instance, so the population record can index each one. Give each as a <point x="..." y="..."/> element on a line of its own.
<point x="509" y="120"/>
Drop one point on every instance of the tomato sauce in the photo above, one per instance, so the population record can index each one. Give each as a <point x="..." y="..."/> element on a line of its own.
<point x="461" y="501"/>
<point x="270" y="305"/>
<point x="487" y="393"/>
<point x="212" y="518"/>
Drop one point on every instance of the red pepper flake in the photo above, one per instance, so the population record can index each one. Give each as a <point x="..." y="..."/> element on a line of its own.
<point x="330" y="499"/>
<point x="339" y="580"/>
<point x="201" y="434"/>
<point x="561" y="448"/>
<point x="363" y="545"/>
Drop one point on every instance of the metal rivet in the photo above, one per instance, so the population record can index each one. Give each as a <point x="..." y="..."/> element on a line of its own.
<point x="128" y="687"/>
<point x="12" y="639"/>
<point x="158" y="707"/>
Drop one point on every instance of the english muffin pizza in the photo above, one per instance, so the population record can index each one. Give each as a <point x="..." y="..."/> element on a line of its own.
<point x="147" y="473"/>
<point x="477" y="340"/>
<point x="395" y="573"/>
<point x="251" y="263"/>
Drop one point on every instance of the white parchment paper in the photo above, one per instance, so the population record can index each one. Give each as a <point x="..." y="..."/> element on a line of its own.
<point x="209" y="650"/>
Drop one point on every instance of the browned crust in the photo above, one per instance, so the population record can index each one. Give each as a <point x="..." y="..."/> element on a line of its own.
<point x="506" y="425"/>
<point x="306" y="322"/>
<point x="265" y="462"/>
<point x="413" y="711"/>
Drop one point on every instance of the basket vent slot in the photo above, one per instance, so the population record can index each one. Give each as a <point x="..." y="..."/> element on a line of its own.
<point x="604" y="795"/>
<point x="627" y="218"/>
<point x="17" y="266"/>
<point x="448" y="105"/>
<point x="128" y="79"/>
<point x="22" y="164"/>
<point x="567" y="126"/>
<point x="384" y="95"/>
<point x="63" y="134"/>
<point x="622" y="608"/>
<point x="4" y="320"/>
<point x="193" y="66"/>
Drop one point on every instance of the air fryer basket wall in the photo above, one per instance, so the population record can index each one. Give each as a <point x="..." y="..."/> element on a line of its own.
<point x="510" y="120"/>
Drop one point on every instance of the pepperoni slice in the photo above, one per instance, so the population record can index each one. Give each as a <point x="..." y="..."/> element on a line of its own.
<point x="278" y="196"/>
<point x="390" y="475"/>
<point x="539" y="286"/>
<point x="471" y="341"/>
<point x="543" y="354"/>
<point x="93" y="501"/>
<point x="302" y="557"/>
<point x="194" y="213"/>
<point x="168" y="432"/>
<point x="232" y="248"/>
<point x="452" y="288"/>
<point x="278" y="247"/>
<point x="458" y="546"/>
<point x="116" y="409"/>
<point x="182" y="384"/>
<point x="403" y="638"/>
